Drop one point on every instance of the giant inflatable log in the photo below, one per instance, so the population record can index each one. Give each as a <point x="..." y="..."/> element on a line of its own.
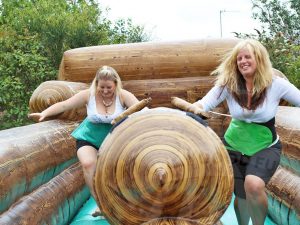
<point x="288" y="128"/>
<point x="51" y="92"/>
<point x="31" y="155"/>
<point x="160" y="91"/>
<point x="55" y="202"/>
<point x="162" y="163"/>
<point x="284" y="197"/>
<point x="284" y="187"/>
<point x="148" y="60"/>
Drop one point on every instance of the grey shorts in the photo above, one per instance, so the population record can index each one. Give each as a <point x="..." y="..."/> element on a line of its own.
<point x="262" y="164"/>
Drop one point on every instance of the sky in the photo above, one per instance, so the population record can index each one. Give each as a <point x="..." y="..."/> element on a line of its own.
<point x="170" y="20"/>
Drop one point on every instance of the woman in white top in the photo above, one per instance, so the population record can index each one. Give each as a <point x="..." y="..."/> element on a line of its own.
<point x="105" y="100"/>
<point x="246" y="81"/>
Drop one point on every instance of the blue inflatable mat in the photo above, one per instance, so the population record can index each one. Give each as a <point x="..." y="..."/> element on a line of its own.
<point x="84" y="216"/>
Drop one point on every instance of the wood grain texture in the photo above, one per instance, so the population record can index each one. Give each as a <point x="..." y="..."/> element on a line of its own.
<point x="176" y="221"/>
<point x="29" y="151"/>
<point x="288" y="128"/>
<point x="161" y="90"/>
<point x="147" y="60"/>
<point x="46" y="204"/>
<point x="284" y="197"/>
<point x="284" y="187"/>
<point x="162" y="163"/>
<point x="132" y="109"/>
<point x="51" y="92"/>
<point x="189" y="107"/>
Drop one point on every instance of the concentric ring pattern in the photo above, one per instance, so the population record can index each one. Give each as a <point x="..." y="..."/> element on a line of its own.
<point x="51" y="92"/>
<point x="162" y="163"/>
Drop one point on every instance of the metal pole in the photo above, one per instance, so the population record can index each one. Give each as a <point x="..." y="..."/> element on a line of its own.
<point x="221" y="25"/>
<point x="221" y="11"/>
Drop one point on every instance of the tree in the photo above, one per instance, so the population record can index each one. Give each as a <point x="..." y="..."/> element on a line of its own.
<point x="281" y="34"/>
<point x="279" y="17"/>
<point x="63" y="24"/>
<point x="33" y="36"/>
<point x="23" y="67"/>
<point x="125" y="32"/>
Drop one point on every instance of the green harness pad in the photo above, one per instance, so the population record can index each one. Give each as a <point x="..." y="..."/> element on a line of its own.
<point x="94" y="133"/>
<point x="247" y="138"/>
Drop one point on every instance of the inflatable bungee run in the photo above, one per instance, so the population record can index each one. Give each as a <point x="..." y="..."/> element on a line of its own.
<point x="159" y="165"/>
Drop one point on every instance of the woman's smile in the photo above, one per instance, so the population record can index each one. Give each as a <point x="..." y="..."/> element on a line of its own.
<point x="246" y="63"/>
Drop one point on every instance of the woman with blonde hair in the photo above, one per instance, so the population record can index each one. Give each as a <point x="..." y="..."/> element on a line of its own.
<point x="245" y="79"/>
<point x="104" y="100"/>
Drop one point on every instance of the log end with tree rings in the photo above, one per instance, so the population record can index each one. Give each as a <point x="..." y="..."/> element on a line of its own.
<point x="163" y="163"/>
<point x="51" y="92"/>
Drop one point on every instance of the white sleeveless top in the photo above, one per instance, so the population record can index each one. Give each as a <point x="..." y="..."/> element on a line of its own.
<point x="94" y="117"/>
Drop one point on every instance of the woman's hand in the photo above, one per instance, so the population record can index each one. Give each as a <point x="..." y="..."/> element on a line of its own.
<point x="37" y="117"/>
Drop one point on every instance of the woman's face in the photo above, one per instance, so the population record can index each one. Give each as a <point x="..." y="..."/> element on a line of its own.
<point x="246" y="63"/>
<point x="106" y="88"/>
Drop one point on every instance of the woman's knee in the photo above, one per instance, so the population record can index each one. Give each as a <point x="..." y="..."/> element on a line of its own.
<point x="88" y="164"/>
<point x="254" y="185"/>
<point x="87" y="157"/>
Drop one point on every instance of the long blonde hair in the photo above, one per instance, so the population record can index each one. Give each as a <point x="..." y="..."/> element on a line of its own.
<point x="106" y="73"/>
<point x="229" y="75"/>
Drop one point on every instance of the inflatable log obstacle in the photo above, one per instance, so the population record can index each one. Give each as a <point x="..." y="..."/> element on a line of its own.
<point x="41" y="180"/>
<point x="39" y="174"/>
<point x="145" y="61"/>
<point x="160" y="164"/>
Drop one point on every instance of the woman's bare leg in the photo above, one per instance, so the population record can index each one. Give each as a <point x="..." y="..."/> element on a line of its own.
<point x="241" y="211"/>
<point x="257" y="200"/>
<point x="87" y="156"/>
